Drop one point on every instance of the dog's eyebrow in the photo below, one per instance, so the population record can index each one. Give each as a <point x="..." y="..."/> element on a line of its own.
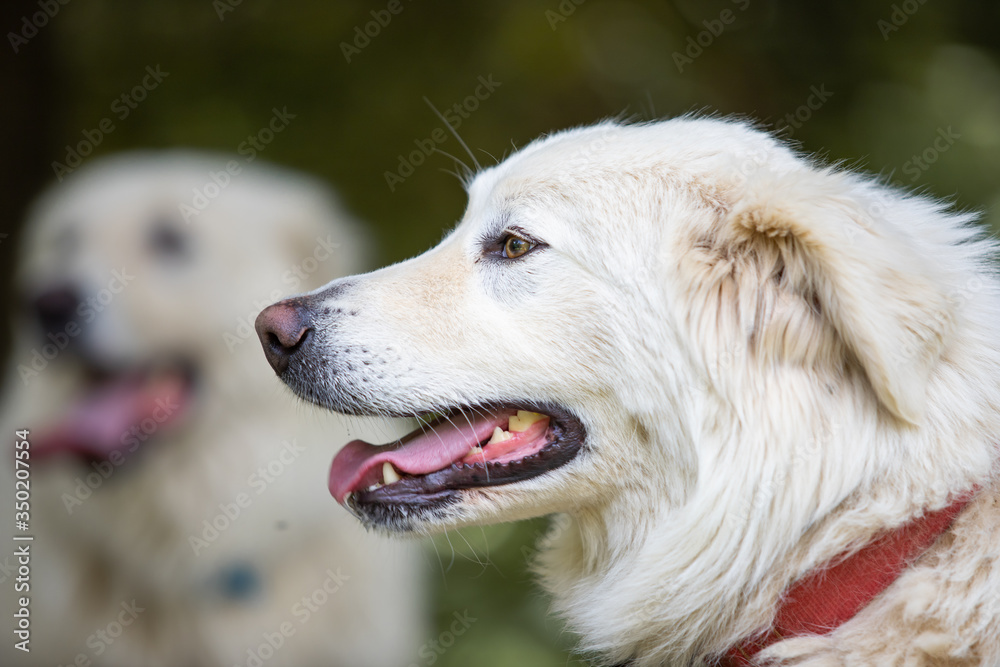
<point x="495" y="227"/>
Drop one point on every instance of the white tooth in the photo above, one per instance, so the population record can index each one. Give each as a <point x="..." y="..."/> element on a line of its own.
<point x="522" y="420"/>
<point x="475" y="451"/>
<point x="389" y="474"/>
<point x="499" y="435"/>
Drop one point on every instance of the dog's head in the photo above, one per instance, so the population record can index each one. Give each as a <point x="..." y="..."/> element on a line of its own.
<point x="608" y="294"/>
<point x="140" y="279"/>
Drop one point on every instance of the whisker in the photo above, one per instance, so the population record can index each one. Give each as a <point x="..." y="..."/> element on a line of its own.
<point x="486" y="541"/>
<point x="453" y="132"/>
<point x="491" y="155"/>
<point x="474" y="555"/>
<point x="437" y="552"/>
<point x="468" y="172"/>
<point x="447" y="536"/>
<point x="474" y="409"/>
<point x="455" y="174"/>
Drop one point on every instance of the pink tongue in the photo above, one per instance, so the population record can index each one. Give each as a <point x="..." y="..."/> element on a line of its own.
<point x="102" y="421"/>
<point x="359" y="464"/>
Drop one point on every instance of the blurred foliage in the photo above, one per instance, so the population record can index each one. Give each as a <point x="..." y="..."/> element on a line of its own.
<point x="894" y="77"/>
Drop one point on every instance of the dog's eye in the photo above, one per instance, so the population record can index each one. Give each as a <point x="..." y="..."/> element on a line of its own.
<point x="515" y="246"/>
<point x="168" y="241"/>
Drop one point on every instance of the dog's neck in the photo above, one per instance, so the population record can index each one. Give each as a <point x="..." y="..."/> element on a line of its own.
<point x="833" y="594"/>
<point x="633" y="577"/>
<point x="826" y="596"/>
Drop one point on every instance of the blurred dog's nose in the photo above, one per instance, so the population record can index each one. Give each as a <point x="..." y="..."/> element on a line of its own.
<point x="56" y="307"/>
<point x="283" y="328"/>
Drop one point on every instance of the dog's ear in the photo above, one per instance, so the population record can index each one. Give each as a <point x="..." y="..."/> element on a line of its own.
<point x="867" y="279"/>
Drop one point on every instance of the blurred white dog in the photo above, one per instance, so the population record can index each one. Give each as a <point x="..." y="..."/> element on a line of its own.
<point x="762" y="390"/>
<point x="176" y="495"/>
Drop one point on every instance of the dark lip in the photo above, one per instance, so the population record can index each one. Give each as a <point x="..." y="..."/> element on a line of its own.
<point x="397" y="505"/>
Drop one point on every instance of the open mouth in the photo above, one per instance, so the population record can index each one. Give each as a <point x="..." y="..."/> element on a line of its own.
<point x="466" y="448"/>
<point x="118" y="410"/>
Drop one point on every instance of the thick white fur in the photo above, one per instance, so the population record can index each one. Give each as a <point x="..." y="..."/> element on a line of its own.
<point x="130" y="539"/>
<point x="774" y="360"/>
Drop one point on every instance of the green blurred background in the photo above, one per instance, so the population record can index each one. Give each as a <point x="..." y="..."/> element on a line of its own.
<point x="907" y="89"/>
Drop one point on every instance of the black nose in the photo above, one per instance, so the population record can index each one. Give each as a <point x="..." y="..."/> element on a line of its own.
<point x="56" y="307"/>
<point x="283" y="328"/>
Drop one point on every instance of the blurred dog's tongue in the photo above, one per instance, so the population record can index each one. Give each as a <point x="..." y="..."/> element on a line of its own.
<point x="359" y="464"/>
<point x="101" y="422"/>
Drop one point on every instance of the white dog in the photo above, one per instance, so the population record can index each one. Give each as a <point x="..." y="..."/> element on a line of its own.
<point x="759" y="389"/>
<point x="173" y="491"/>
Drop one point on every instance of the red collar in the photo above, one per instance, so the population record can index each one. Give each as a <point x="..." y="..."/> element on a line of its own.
<point x="828" y="597"/>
